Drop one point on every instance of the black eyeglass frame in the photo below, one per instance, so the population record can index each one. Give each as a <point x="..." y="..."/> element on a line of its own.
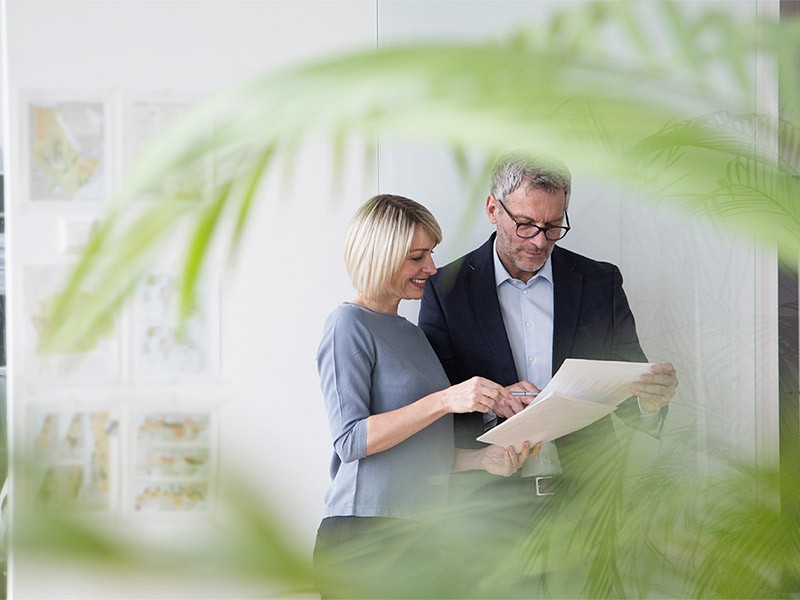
<point x="538" y="229"/>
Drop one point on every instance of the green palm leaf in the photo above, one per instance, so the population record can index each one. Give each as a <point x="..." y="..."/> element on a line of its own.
<point x="553" y="89"/>
<point x="626" y="118"/>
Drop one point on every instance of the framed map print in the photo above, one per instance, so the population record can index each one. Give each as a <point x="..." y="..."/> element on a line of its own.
<point x="146" y="118"/>
<point x="162" y="348"/>
<point x="41" y="288"/>
<point x="75" y="458"/>
<point x="173" y="461"/>
<point x="65" y="158"/>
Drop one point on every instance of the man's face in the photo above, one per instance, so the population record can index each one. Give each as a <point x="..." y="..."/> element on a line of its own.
<point x="523" y="258"/>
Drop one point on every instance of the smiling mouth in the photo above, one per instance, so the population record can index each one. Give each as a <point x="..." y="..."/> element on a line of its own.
<point x="419" y="281"/>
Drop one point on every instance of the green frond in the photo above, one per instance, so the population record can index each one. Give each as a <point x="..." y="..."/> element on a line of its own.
<point x="650" y="120"/>
<point x="199" y="243"/>
<point x="425" y="92"/>
<point x="261" y="164"/>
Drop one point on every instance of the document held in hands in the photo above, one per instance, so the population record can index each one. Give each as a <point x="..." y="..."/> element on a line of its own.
<point x="580" y="393"/>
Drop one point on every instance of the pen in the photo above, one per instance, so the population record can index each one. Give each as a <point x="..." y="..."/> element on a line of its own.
<point x="524" y="393"/>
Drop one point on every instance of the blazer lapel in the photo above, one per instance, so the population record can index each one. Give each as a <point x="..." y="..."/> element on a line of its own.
<point x="567" y="291"/>
<point x="482" y="293"/>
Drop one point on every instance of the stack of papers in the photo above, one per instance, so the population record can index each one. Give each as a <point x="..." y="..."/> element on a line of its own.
<point x="580" y="393"/>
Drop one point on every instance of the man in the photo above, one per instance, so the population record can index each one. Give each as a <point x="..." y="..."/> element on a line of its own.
<point x="516" y="307"/>
<point x="512" y="311"/>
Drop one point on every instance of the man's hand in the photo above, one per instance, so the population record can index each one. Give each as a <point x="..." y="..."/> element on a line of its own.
<point x="508" y="407"/>
<point x="655" y="389"/>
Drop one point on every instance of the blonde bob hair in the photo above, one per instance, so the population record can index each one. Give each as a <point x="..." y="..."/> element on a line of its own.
<point x="379" y="238"/>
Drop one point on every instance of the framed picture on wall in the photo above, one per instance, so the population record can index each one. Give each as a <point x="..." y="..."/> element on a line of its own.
<point x="66" y="149"/>
<point x="42" y="285"/>
<point x="75" y="457"/>
<point x="148" y="116"/>
<point x="162" y="346"/>
<point x="172" y="460"/>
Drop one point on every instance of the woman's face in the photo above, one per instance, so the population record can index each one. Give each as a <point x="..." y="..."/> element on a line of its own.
<point x="409" y="281"/>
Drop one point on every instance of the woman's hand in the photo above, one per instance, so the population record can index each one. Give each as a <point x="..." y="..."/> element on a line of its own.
<point x="386" y="430"/>
<point x="507" y="408"/>
<point x="474" y="395"/>
<point x="506" y="461"/>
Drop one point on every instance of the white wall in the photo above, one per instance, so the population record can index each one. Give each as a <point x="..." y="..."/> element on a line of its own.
<point x="272" y="428"/>
<point x="696" y="292"/>
<point x="704" y="296"/>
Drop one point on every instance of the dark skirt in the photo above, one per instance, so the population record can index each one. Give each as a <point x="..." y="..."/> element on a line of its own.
<point x="377" y="557"/>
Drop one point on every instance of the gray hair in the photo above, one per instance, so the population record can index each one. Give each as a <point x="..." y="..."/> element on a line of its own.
<point x="512" y="171"/>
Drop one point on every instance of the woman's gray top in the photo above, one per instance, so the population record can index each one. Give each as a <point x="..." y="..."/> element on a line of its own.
<point x="371" y="363"/>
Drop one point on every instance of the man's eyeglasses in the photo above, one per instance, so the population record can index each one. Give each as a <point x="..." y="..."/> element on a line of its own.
<point x="529" y="230"/>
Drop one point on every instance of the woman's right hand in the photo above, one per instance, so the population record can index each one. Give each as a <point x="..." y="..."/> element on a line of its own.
<point x="473" y="395"/>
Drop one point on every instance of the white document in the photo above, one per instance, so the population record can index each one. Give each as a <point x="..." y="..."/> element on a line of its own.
<point x="580" y="393"/>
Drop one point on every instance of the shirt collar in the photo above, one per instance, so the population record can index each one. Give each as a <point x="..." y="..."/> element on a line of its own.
<point x="501" y="274"/>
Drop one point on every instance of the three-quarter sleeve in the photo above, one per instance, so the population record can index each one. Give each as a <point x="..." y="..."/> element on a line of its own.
<point x="372" y="363"/>
<point x="345" y="360"/>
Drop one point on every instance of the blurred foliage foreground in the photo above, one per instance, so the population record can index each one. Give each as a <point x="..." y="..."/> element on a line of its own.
<point x="618" y="527"/>
<point x="673" y="116"/>
<point x="677" y="115"/>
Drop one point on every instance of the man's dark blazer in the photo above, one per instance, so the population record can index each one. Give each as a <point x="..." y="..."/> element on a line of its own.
<point x="460" y="314"/>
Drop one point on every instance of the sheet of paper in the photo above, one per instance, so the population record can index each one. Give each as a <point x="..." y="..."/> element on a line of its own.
<point x="580" y="393"/>
<point x="604" y="381"/>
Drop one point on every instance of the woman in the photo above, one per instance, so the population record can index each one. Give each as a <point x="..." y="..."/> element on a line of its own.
<point x="390" y="407"/>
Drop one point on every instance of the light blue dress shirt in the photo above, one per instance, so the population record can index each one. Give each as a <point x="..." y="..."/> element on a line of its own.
<point x="527" y="310"/>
